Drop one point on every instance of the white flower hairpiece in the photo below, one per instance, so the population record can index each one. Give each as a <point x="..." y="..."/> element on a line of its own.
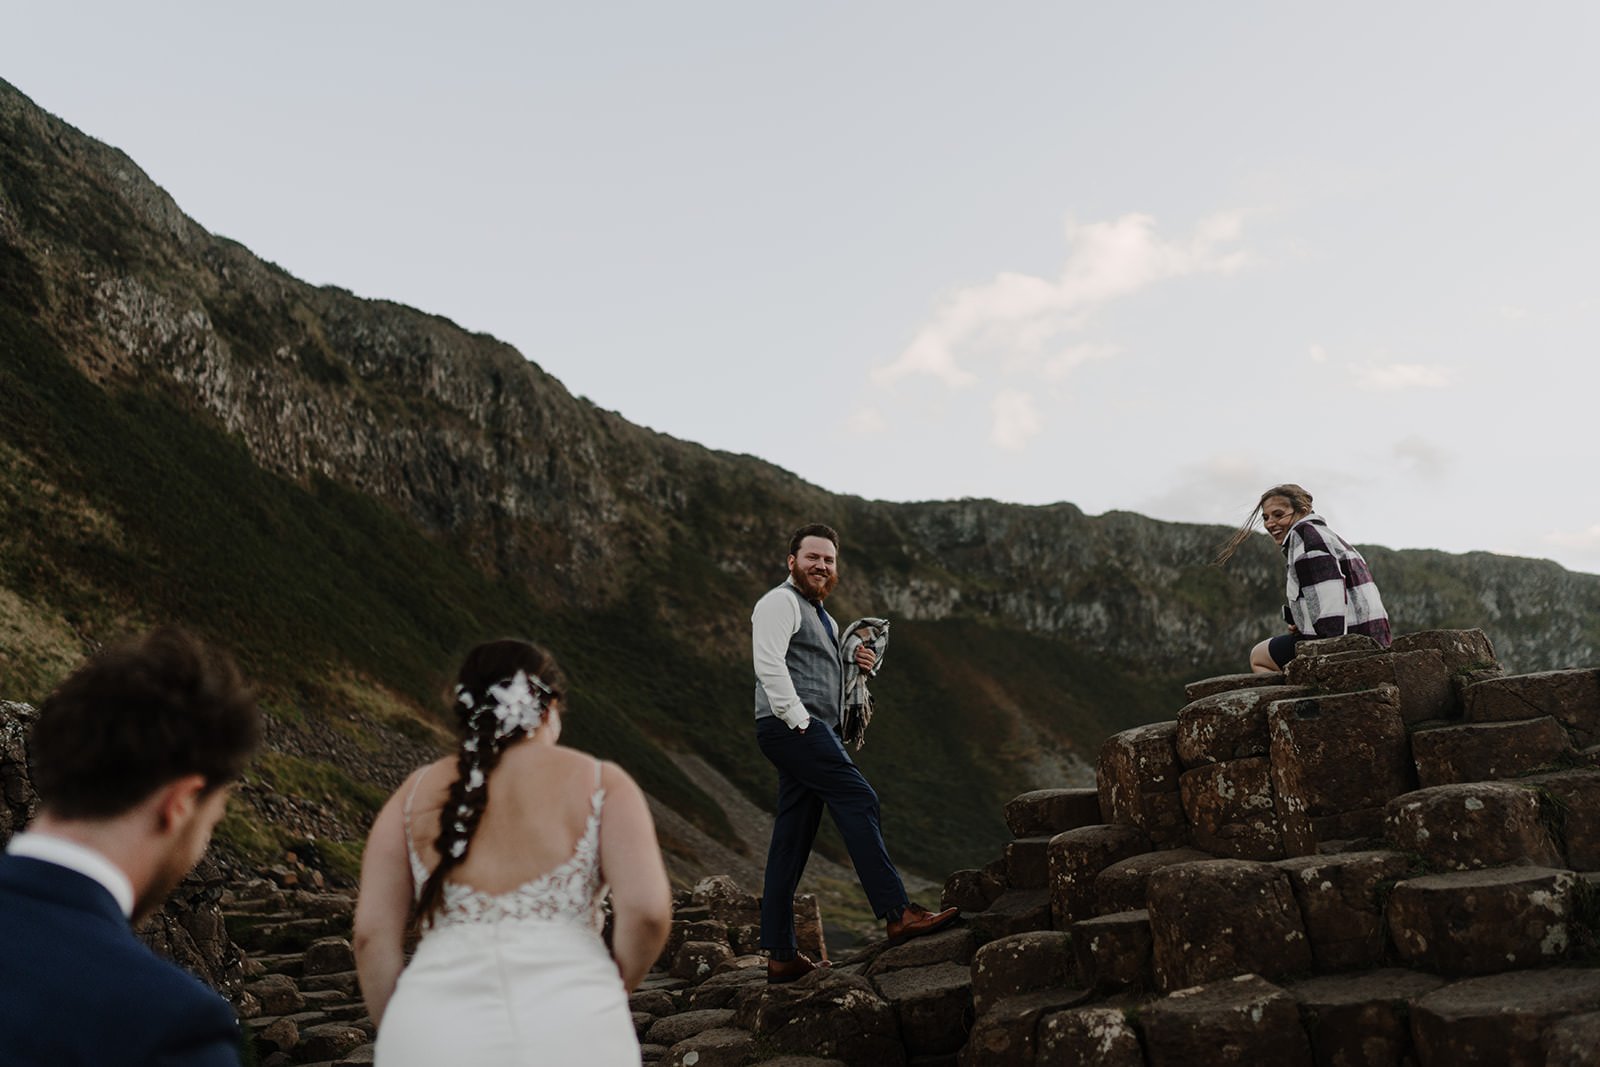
<point x="518" y="703"/>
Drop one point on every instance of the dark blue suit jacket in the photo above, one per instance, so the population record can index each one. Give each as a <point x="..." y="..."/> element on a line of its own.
<point x="77" y="988"/>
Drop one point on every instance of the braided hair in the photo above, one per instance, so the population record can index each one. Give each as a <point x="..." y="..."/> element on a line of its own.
<point x="1298" y="499"/>
<point x="503" y="693"/>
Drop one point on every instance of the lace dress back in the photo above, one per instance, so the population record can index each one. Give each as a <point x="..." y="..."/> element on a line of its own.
<point x="571" y="891"/>
<point x="514" y="979"/>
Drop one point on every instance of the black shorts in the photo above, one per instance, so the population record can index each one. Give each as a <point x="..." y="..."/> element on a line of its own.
<point x="1281" y="648"/>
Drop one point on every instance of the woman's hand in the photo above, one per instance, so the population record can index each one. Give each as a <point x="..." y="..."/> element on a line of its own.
<point x="865" y="657"/>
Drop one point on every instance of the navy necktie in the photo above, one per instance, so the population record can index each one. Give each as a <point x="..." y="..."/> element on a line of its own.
<point x="827" y="624"/>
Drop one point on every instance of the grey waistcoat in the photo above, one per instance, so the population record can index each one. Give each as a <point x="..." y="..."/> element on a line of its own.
<point x="814" y="667"/>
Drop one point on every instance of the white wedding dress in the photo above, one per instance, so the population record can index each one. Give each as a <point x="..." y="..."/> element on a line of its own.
<point x="514" y="979"/>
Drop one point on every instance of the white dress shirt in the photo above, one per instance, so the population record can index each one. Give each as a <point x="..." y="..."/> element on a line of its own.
<point x="774" y="622"/>
<point x="75" y="857"/>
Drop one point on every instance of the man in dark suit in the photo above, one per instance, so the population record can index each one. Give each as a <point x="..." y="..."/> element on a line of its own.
<point x="798" y="702"/>
<point x="133" y="758"/>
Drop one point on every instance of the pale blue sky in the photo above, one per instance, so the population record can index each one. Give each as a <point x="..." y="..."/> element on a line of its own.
<point x="1151" y="257"/>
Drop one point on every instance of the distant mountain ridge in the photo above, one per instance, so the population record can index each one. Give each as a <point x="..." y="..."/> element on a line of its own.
<point x="351" y="491"/>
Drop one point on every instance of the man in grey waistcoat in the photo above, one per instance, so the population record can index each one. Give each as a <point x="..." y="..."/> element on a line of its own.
<point x="799" y="690"/>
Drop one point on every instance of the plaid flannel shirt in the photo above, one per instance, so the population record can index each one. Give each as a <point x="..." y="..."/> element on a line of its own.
<point x="1330" y="589"/>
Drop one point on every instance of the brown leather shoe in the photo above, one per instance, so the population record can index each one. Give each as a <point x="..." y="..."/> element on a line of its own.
<point x="781" y="971"/>
<point x="917" y="920"/>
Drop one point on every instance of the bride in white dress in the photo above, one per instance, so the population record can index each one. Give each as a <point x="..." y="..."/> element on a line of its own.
<point x="502" y="855"/>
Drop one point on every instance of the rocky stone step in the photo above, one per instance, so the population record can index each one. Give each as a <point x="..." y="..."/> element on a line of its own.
<point x="1244" y="1021"/>
<point x="1501" y="1020"/>
<point x="1476" y="752"/>
<point x="1228" y="725"/>
<point x="1362" y="1018"/>
<point x="1097" y="1036"/>
<point x="1076" y="859"/>
<point x="1021" y="963"/>
<point x="1472" y="825"/>
<point x="1006" y="1034"/>
<point x="1227" y="683"/>
<point x="1571" y="697"/>
<point x="1112" y="953"/>
<point x="933" y="1006"/>
<point x="1483" y="922"/>
<point x="972" y="890"/>
<point x="1221" y="918"/>
<point x="1234" y="811"/>
<point x="1047" y="812"/>
<point x="1570" y="804"/>
<point x="1334" y="754"/>
<point x="1028" y="862"/>
<point x="1122" y="886"/>
<point x="1341" y="899"/>
<point x="723" y="1046"/>
<point x="833" y="1016"/>
<point x="1462" y="649"/>
<point x="1137" y="775"/>
<point x="1420" y="678"/>
<point x="1015" y="911"/>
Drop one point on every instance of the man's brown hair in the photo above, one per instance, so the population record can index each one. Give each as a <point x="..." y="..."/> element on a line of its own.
<point x="137" y="716"/>
<point x="815" y="529"/>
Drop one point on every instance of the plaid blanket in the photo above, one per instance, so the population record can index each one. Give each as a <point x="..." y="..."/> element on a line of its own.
<point x="856" y="707"/>
<point x="1330" y="589"/>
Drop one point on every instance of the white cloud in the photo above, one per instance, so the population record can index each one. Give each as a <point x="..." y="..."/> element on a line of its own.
<point x="1060" y="365"/>
<point x="1023" y="313"/>
<point x="867" y="420"/>
<point x="1423" y="457"/>
<point x="1583" y="541"/>
<point x="1511" y="311"/>
<point x="1391" y="377"/>
<point x="1016" y="419"/>
<point x="1319" y="354"/>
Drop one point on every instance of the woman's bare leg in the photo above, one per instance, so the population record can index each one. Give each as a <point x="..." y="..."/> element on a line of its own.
<point x="1261" y="661"/>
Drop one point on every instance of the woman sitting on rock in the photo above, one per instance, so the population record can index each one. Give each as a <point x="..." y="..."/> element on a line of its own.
<point x="502" y="854"/>
<point x="1330" y="589"/>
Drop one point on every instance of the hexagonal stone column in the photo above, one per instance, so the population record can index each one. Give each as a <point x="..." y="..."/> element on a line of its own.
<point x="1232" y="809"/>
<point x="1482" y="922"/>
<point x="1245" y="1021"/>
<point x="1570" y="697"/>
<point x="1362" y="1018"/>
<point x="1341" y="903"/>
<point x="1122" y="886"/>
<point x="1573" y="800"/>
<point x="1113" y="951"/>
<point x="1220" y="918"/>
<point x="1500" y="1021"/>
<point x="1022" y="963"/>
<point x="1228" y="725"/>
<point x="1224" y="683"/>
<point x="1461" y="649"/>
<point x="1472" y="825"/>
<point x="1420" y="678"/>
<point x="1476" y="752"/>
<point x="1088" y="1037"/>
<point x="1336" y="754"/>
<point x="1137" y="776"/>
<point x="1076" y="859"/>
<point x="1052" y="811"/>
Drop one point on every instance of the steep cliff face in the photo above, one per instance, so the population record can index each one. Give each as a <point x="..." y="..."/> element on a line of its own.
<point x="504" y="502"/>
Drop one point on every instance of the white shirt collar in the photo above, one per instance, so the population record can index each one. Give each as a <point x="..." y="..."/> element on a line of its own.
<point x="75" y="857"/>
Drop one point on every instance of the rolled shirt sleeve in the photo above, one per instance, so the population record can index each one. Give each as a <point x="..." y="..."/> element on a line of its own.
<point x="775" y="620"/>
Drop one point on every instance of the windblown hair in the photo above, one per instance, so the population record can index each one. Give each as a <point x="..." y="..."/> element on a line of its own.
<point x="815" y="529"/>
<point x="137" y="716"/>
<point x="1298" y="499"/>
<point x="489" y="666"/>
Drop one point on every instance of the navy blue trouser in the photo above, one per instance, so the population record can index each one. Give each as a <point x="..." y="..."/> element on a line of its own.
<point x="815" y="772"/>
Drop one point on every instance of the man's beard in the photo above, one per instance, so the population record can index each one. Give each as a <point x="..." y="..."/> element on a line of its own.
<point x="808" y="584"/>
